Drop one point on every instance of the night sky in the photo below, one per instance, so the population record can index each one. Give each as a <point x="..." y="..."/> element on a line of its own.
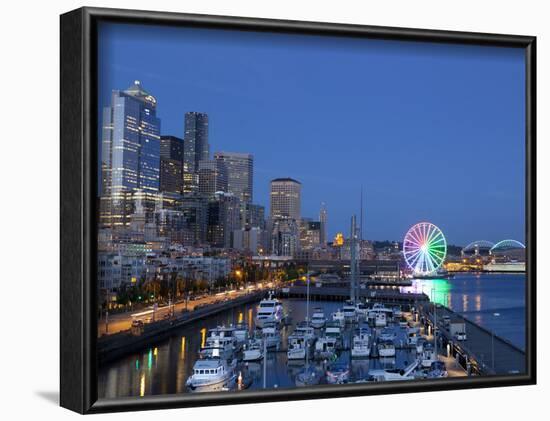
<point x="432" y="132"/>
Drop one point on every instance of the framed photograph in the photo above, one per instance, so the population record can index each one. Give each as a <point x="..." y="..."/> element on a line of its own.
<point x="256" y="210"/>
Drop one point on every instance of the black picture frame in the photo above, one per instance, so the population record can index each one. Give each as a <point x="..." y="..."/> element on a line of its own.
<point x="78" y="385"/>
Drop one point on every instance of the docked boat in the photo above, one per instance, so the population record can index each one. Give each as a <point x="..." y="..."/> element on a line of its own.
<point x="318" y="319"/>
<point x="386" y="349"/>
<point x="361" y="311"/>
<point x="360" y="347"/>
<point x="271" y="335"/>
<point x="437" y="370"/>
<point x="428" y="356"/>
<point x="241" y="333"/>
<point x="325" y="348"/>
<point x="349" y="311"/>
<point x="396" y="374"/>
<point x="378" y="309"/>
<point x="221" y="347"/>
<point x="253" y="350"/>
<point x="210" y="375"/>
<point x="338" y="317"/>
<point x="270" y="310"/>
<point x="334" y="330"/>
<point x="300" y="343"/>
<point x="338" y="373"/>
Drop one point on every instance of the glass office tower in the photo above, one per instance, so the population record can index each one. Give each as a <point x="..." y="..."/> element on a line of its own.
<point x="130" y="156"/>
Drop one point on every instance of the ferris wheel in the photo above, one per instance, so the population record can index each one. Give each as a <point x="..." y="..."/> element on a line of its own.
<point x="424" y="248"/>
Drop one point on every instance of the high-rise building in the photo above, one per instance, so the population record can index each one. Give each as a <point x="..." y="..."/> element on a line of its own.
<point x="130" y="154"/>
<point x="195" y="209"/>
<point x="212" y="177"/>
<point x="285" y="199"/>
<point x="171" y="164"/>
<point x="323" y="219"/>
<point x="240" y="167"/>
<point x="223" y="219"/>
<point x="196" y="147"/>
<point x="254" y="216"/>
<point x="310" y="234"/>
<point x="285" y="239"/>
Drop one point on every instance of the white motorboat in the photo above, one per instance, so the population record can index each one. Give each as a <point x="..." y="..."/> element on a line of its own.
<point x="406" y="373"/>
<point x="253" y="350"/>
<point x="300" y="343"/>
<point x="318" y="319"/>
<point x="360" y="347"/>
<point x="270" y="310"/>
<point x="386" y="349"/>
<point x="334" y="330"/>
<point x="241" y="333"/>
<point x="218" y="347"/>
<point x="210" y="375"/>
<point x="338" y="317"/>
<point x="378" y="309"/>
<point x="337" y="373"/>
<point x="271" y="335"/>
<point x="349" y="311"/>
<point x="361" y="311"/>
<point x="428" y="356"/>
<point x="325" y="348"/>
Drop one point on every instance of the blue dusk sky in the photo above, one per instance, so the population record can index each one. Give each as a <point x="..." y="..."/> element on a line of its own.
<point x="431" y="131"/>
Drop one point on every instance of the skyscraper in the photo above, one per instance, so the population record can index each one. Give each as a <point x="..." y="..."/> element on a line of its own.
<point x="130" y="155"/>
<point x="323" y="219"/>
<point x="212" y="177"/>
<point x="240" y="167"/>
<point x="285" y="199"/>
<point x="196" y="147"/>
<point x="223" y="219"/>
<point x="171" y="164"/>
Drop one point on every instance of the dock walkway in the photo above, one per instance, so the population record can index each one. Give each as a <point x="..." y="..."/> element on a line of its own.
<point x="491" y="353"/>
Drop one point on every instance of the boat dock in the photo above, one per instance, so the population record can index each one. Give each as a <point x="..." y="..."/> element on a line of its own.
<point x="482" y="352"/>
<point x="386" y="295"/>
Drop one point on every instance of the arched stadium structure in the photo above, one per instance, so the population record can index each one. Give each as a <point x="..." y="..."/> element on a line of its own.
<point x="478" y="248"/>
<point x="507" y="245"/>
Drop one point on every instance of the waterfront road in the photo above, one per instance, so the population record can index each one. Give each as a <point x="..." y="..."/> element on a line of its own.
<point x="123" y="321"/>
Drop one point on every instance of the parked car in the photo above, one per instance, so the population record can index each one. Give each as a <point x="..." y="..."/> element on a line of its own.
<point x="460" y="336"/>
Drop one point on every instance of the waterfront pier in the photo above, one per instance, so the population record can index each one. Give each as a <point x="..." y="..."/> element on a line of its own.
<point x="484" y="352"/>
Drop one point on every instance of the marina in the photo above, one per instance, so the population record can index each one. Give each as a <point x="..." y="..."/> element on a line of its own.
<point x="352" y="345"/>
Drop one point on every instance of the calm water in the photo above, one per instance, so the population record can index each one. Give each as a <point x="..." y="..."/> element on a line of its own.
<point x="494" y="301"/>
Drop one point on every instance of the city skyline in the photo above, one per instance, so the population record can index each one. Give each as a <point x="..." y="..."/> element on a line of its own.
<point x="391" y="205"/>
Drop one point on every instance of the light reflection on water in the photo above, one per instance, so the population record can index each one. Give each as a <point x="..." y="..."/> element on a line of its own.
<point x="479" y="297"/>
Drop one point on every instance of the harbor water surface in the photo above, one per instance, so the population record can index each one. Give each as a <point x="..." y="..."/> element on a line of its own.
<point x="495" y="301"/>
